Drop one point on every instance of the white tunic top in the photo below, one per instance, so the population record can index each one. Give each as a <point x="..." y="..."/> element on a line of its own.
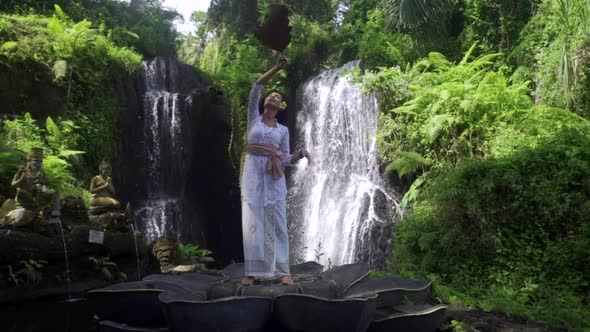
<point x="258" y="187"/>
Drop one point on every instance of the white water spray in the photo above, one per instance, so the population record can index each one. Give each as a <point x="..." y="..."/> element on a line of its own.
<point x="332" y="203"/>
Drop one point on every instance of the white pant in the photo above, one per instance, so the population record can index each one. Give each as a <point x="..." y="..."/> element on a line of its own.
<point x="266" y="242"/>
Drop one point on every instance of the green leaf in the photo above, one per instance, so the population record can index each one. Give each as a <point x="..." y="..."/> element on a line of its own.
<point x="407" y="162"/>
<point x="68" y="153"/>
<point x="132" y="34"/>
<point x="437" y="124"/>
<point x="8" y="45"/>
<point x="59" y="12"/>
<point x="82" y="25"/>
<point x="60" y="68"/>
<point x="52" y="130"/>
<point x="412" y="193"/>
<point x="106" y="273"/>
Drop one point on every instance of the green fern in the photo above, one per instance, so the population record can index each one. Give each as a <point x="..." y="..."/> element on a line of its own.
<point x="60" y="69"/>
<point x="59" y="12"/>
<point x="413" y="192"/>
<point x="53" y="132"/>
<point x="437" y="124"/>
<point x="407" y="162"/>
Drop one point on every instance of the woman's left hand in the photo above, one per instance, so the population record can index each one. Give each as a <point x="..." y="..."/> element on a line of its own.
<point x="305" y="154"/>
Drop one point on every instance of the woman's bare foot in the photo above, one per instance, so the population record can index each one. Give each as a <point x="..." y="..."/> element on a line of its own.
<point x="248" y="281"/>
<point x="287" y="280"/>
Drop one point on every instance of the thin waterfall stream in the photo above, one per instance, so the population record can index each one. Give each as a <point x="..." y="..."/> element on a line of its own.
<point x="174" y="171"/>
<point x="341" y="209"/>
<point x="56" y="219"/>
<point x="165" y="118"/>
<point x="136" y="251"/>
<point x="67" y="260"/>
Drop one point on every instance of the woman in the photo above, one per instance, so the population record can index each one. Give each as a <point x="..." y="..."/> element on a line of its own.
<point x="264" y="189"/>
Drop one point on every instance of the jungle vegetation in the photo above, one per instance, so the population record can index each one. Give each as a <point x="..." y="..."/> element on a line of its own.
<point x="485" y="109"/>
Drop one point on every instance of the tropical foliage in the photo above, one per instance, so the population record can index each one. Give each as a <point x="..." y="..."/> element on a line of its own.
<point x="499" y="198"/>
<point x="192" y="254"/>
<point x="150" y="32"/>
<point x="55" y="68"/>
<point x="484" y="119"/>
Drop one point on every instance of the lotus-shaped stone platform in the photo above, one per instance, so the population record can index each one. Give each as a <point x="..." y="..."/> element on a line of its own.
<point x="341" y="299"/>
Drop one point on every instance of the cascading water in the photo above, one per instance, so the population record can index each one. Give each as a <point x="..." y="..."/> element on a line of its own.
<point x="165" y="118"/>
<point x="339" y="207"/>
<point x="174" y="168"/>
<point x="136" y="251"/>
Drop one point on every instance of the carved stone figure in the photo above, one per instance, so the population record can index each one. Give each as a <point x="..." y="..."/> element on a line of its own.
<point x="166" y="252"/>
<point x="104" y="208"/>
<point x="33" y="196"/>
<point x="103" y="190"/>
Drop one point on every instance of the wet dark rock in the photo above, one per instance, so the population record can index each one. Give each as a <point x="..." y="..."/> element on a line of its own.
<point x="410" y="318"/>
<point x="478" y="320"/>
<point x="378" y="238"/>
<point x="393" y="290"/>
<point x="73" y="210"/>
<point x="17" y="245"/>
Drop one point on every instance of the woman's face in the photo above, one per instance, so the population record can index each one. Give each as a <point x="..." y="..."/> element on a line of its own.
<point x="273" y="101"/>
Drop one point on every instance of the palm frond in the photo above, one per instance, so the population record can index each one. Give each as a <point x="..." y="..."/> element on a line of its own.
<point x="412" y="14"/>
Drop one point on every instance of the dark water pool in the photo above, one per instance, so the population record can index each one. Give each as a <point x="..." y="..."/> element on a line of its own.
<point x="48" y="316"/>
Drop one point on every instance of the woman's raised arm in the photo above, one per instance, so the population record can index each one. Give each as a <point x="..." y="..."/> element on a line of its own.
<point x="253" y="113"/>
<point x="281" y="62"/>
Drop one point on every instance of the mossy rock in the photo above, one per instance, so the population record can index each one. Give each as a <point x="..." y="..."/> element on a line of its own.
<point x="18" y="245"/>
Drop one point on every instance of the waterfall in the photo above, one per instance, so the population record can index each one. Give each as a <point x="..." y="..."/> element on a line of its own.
<point x="165" y="118"/>
<point x="174" y="168"/>
<point x="340" y="209"/>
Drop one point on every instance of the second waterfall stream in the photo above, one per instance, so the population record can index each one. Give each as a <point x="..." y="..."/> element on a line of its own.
<point x="340" y="209"/>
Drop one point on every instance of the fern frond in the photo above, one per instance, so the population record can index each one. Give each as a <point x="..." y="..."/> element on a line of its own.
<point x="437" y="124"/>
<point x="439" y="61"/>
<point x="407" y="162"/>
<point x="82" y="25"/>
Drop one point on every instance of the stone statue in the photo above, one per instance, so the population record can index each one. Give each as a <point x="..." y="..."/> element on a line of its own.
<point x="33" y="196"/>
<point x="102" y="189"/>
<point x="104" y="208"/>
<point x="165" y="250"/>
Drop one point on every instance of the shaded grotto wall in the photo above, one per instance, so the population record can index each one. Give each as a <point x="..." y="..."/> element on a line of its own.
<point x="209" y="190"/>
